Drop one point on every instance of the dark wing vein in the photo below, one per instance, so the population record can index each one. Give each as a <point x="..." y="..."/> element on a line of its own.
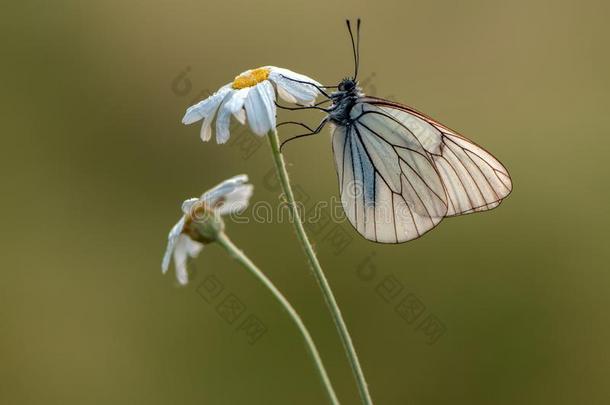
<point x="419" y="170"/>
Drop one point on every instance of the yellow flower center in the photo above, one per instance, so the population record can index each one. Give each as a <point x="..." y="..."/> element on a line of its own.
<point x="250" y="78"/>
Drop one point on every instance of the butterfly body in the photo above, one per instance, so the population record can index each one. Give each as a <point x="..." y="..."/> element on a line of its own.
<point x="401" y="172"/>
<point x="343" y="101"/>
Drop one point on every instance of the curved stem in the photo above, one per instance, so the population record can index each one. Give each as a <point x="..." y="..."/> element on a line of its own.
<point x="329" y="298"/>
<point x="238" y="255"/>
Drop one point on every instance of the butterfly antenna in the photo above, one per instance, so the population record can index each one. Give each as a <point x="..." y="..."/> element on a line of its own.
<point x="351" y="35"/>
<point x="357" y="48"/>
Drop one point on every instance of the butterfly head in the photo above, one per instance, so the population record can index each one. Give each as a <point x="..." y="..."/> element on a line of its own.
<point x="348" y="85"/>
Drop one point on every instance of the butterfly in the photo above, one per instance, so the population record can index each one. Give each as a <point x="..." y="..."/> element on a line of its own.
<point x="401" y="172"/>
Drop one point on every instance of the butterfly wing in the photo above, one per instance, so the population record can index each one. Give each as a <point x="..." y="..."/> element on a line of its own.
<point x="400" y="172"/>
<point x="474" y="179"/>
<point x="390" y="189"/>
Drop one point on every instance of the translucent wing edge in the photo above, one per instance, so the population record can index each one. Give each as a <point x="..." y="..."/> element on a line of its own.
<point x="391" y="219"/>
<point x="476" y="155"/>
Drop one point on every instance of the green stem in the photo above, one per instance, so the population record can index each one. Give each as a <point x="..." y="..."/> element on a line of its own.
<point x="329" y="298"/>
<point x="238" y="255"/>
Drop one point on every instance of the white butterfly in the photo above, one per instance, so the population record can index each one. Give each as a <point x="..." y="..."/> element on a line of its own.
<point x="401" y="172"/>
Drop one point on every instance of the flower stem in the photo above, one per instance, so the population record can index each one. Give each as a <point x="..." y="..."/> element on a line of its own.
<point x="329" y="298"/>
<point x="238" y="255"/>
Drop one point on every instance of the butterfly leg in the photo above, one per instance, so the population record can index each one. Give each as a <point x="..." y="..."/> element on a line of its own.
<point x="318" y="103"/>
<point x="312" y="107"/>
<point x="295" y="123"/>
<point x="319" y="88"/>
<point x="311" y="132"/>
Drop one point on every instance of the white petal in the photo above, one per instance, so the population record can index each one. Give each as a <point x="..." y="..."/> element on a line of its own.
<point x="185" y="248"/>
<point x="235" y="105"/>
<point x="212" y="196"/>
<point x="172" y="238"/>
<point x="237" y="101"/>
<point x="260" y="108"/>
<point x="206" y="128"/>
<point x="195" y="112"/>
<point x="205" y="107"/>
<point x="236" y="200"/>
<point x="240" y="116"/>
<point x="290" y="90"/>
<point x="284" y="95"/>
<point x="224" y="120"/>
<point x="187" y="205"/>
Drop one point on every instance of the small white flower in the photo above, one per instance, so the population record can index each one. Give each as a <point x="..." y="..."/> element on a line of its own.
<point x="251" y="95"/>
<point x="230" y="196"/>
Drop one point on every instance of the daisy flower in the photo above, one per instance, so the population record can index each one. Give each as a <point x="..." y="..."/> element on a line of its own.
<point x="200" y="222"/>
<point x="251" y="97"/>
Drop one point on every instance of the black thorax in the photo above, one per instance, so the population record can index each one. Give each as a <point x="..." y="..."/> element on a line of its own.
<point x="343" y="101"/>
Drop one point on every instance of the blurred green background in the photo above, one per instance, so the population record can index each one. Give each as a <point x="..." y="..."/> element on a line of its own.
<point x="95" y="164"/>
